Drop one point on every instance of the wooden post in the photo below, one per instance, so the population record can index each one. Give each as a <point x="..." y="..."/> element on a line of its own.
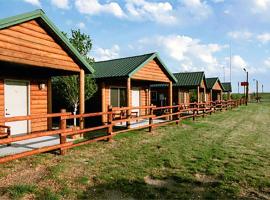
<point x="82" y="101"/>
<point x="179" y="115"/>
<point x="194" y="111"/>
<point x="204" y="92"/>
<point x="170" y="98"/>
<point x="128" y="101"/>
<point x="149" y="103"/>
<point x="151" y="119"/>
<point x="103" y="101"/>
<point x="211" y="95"/>
<point x="198" y="94"/>
<point x="63" y="126"/>
<point x="49" y="102"/>
<point x="110" y="119"/>
<point x="179" y="96"/>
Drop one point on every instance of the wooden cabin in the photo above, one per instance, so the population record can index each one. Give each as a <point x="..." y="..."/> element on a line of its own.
<point x="214" y="89"/>
<point x="32" y="50"/>
<point x="227" y="86"/>
<point x="188" y="84"/>
<point x="125" y="82"/>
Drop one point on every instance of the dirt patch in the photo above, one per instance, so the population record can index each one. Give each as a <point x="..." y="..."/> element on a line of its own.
<point x="167" y="183"/>
<point x="24" y="176"/>
<point x="202" y="178"/>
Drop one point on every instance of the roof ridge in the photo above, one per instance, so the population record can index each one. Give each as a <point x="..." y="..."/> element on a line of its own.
<point x="126" y="57"/>
<point x="213" y="77"/>
<point x="188" y="72"/>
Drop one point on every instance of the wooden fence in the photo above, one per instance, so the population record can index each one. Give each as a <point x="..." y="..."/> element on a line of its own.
<point x="153" y="116"/>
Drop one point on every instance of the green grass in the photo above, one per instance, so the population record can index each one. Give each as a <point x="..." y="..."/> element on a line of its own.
<point x="223" y="156"/>
<point x="18" y="191"/>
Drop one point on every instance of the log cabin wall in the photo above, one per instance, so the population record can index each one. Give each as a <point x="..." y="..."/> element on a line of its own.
<point x="105" y="98"/>
<point x="217" y="86"/>
<point x="2" y="106"/>
<point x="151" y="72"/>
<point x="29" y="43"/>
<point x="38" y="101"/>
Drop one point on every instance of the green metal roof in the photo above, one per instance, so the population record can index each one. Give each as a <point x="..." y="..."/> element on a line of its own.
<point x="227" y="87"/>
<point x="210" y="82"/>
<point x="39" y="14"/>
<point x="126" y="67"/>
<point x="189" y="79"/>
<point x="185" y="79"/>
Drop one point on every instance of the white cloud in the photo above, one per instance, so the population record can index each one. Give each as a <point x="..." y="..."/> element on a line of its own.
<point x="218" y="1"/>
<point x="197" y="9"/>
<point x="240" y="35"/>
<point x="93" y="7"/>
<point x="267" y="62"/>
<point x="190" y="53"/>
<point x="238" y="63"/>
<point x="161" y="12"/>
<point x="260" y="5"/>
<point x="34" y="2"/>
<point x="106" y="54"/>
<point x="264" y="38"/>
<point x="63" y="4"/>
<point x="81" y="25"/>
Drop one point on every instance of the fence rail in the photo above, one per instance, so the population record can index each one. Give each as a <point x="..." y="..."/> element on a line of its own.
<point x="152" y="115"/>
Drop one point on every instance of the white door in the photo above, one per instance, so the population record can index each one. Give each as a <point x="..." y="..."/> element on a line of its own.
<point x="136" y="99"/>
<point x="16" y="104"/>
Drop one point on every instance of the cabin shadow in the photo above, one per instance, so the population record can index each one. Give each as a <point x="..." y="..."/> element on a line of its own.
<point x="173" y="187"/>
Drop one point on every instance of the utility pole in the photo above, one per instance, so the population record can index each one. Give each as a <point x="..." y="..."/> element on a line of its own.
<point x="247" y="89"/>
<point x="262" y="88"/>
<point x="247" y="84"/>
<point x="257" y="90"/>
<point x="230" y="61"/>
<point x="238" y="88"/>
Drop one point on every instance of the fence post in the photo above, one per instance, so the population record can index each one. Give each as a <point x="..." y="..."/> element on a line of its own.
<point x="194" y="106"/>
<point x="150" y="118"/>
<point x="63" y="126"/>
<point x="204" y="109"/>
<point x="110" y="119"/>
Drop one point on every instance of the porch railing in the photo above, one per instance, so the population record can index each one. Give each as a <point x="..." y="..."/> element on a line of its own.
<point x="154" y="116"/>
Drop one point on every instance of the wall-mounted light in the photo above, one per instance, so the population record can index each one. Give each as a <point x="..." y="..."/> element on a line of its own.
<point x="42" y="86"/>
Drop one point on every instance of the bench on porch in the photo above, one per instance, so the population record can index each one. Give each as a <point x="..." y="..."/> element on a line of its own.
<point x="122" y="114"/>
<point x="5" y="132"/>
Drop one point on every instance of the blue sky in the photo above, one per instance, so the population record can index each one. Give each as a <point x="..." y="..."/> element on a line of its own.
<point x="189" y="35"/>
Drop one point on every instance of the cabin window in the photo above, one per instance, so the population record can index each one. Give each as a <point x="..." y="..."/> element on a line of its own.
<point x="154" y="96"/>
<point x="118" y="97"/>
<point x="182" y="97"/>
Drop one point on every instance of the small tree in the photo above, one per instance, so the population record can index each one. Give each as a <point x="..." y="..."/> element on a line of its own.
<point x="67" y="87"/>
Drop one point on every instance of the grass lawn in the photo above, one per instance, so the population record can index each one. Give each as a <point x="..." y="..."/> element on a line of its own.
<point x="226" y="155"/>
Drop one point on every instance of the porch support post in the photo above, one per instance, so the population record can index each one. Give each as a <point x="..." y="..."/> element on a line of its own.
<point x="103" y="100"/>
<point x="148" y="100"/>
<point x="211" y="95"/>
<point x="178" y="96"/>
<point x="204" y="94"/>
<point x="198" y="94"/>
<point x="221" y="95"/>
<point x="170" y="97"/>
<point x="49" y="102"/>
<point x="128" y="100"/>
<point x="82" y="101"/>
<point x="149" y="96"/>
